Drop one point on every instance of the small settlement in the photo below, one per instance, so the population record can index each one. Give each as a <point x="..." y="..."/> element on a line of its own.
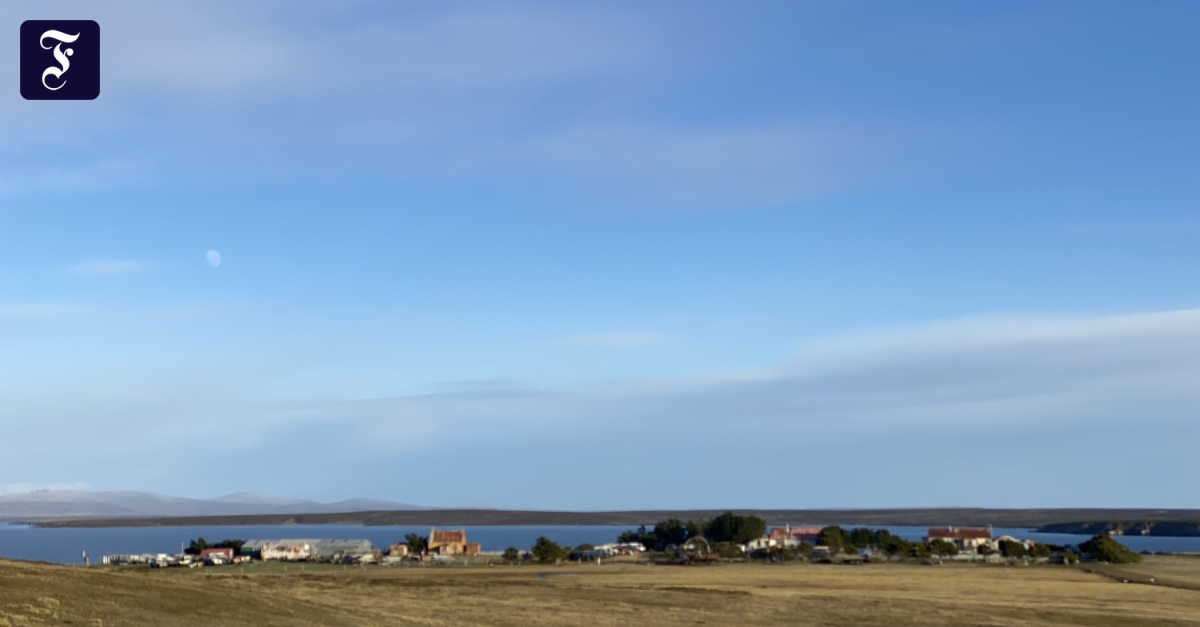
<point x="439" y="544"/>
<point x="968" y="544"/>
<point x="446" y="546"/>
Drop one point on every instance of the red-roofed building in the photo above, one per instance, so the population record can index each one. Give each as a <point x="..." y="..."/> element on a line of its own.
<point x="790" y="534"/>
<point x="963" y="538"/>
<point x="226" y="553"/>
<point x="451" y="542"/>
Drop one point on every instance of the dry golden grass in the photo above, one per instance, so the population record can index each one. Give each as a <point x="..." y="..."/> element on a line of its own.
<point x="1172" y="570"/>
<point x="1181" y="569"/>
<point x="892" y="595"/>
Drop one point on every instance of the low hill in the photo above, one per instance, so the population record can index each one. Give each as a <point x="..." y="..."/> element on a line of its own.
<point x="128" y="504"/>
<point x="962" y="517"/>
<point x="1127" y="528"/>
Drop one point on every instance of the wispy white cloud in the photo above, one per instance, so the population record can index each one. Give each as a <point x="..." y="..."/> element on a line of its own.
<point x="726" y="166"/>
<point x="101" y="174"/>
<point x="231" y="52"/>
<point x="443" y="92"/>
<point x="616" y="339"/>
<point x="997" y="375"/>
<point x="99" y="267"/>
<point x="990" y="379"/>
<point x="989" y="373"/>
<point x="493" y="46"/>
<point x="216" y="87"/>
<point x="658" y="165"/>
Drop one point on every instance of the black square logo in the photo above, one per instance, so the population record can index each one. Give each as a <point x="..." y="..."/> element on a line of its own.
<point x="60" y="60"/>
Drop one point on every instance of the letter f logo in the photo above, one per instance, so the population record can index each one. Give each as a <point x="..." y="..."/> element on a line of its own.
<point x="60" y="60"/>
<point x="59" y="55"/>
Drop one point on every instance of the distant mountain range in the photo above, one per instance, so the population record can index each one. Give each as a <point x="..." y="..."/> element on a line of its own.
<point x="82" y="504"/>
<point x="372" y="515"/>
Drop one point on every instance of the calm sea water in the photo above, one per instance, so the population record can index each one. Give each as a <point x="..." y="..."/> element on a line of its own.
<point x="65" y="546"/>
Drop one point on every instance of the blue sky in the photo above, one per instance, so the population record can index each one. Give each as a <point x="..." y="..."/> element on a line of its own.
<point x="610" y="254"/>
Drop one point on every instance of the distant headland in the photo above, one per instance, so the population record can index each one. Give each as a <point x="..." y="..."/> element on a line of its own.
<point x="1156" y="521"/>
<point x="1175" y="528"/>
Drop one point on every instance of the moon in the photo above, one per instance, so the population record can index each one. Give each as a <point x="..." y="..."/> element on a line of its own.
<point x="213" y="257"/>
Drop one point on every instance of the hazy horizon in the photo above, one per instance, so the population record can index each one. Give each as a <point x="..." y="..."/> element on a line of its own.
<point x="609" y="255"/>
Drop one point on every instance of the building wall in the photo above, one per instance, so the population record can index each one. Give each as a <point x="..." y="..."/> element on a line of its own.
<point x="448" y="542"/>
<point x="286" y="552"/>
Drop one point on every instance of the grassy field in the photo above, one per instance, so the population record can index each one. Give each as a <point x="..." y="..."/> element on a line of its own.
<point x="1175" y="571"/>
<point x="596" y="596"/>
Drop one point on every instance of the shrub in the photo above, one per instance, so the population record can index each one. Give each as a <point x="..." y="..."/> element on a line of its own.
<point x="942" y="547"/>
<point x="199" y="544"/>
<point x="417" y="544"/>
<point x="1008" y="548"/>
<point x="1103" y="548"/>
<point x="639" y="535"/>
<point x="896" y="546"/>
<point x="727" y="550"/>
<point x="546" y="551"/>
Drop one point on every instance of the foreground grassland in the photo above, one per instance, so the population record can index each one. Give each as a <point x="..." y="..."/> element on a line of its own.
<point x="825" y="595"/>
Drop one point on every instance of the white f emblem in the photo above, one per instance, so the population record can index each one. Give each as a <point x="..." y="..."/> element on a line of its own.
<point x="55" y="71"/>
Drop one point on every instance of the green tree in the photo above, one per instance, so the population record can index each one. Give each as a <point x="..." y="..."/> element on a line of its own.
<point x="833" y="537"/>
<point x="674" y="531"/>
<point x="546" y="551"/>
<point x="236" y="545"/>
<point x="1103" y="548"/>
<point x="1041" y="550"/>
<point x="640" y="535"/>
<point x="727" y="550"/>
<point x="919" y="550"/>
<point x="942" y="547"/>
<point x="416" y="543"/>
<point x="894" y="545"/>
<point x="729" y="527"/>
<point x="196" y="546"/>
<point x="882" y="538"/>
<point x="860" y="537"/>
<point x="1009" y="548"/>
<point x="511" y="554"/>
